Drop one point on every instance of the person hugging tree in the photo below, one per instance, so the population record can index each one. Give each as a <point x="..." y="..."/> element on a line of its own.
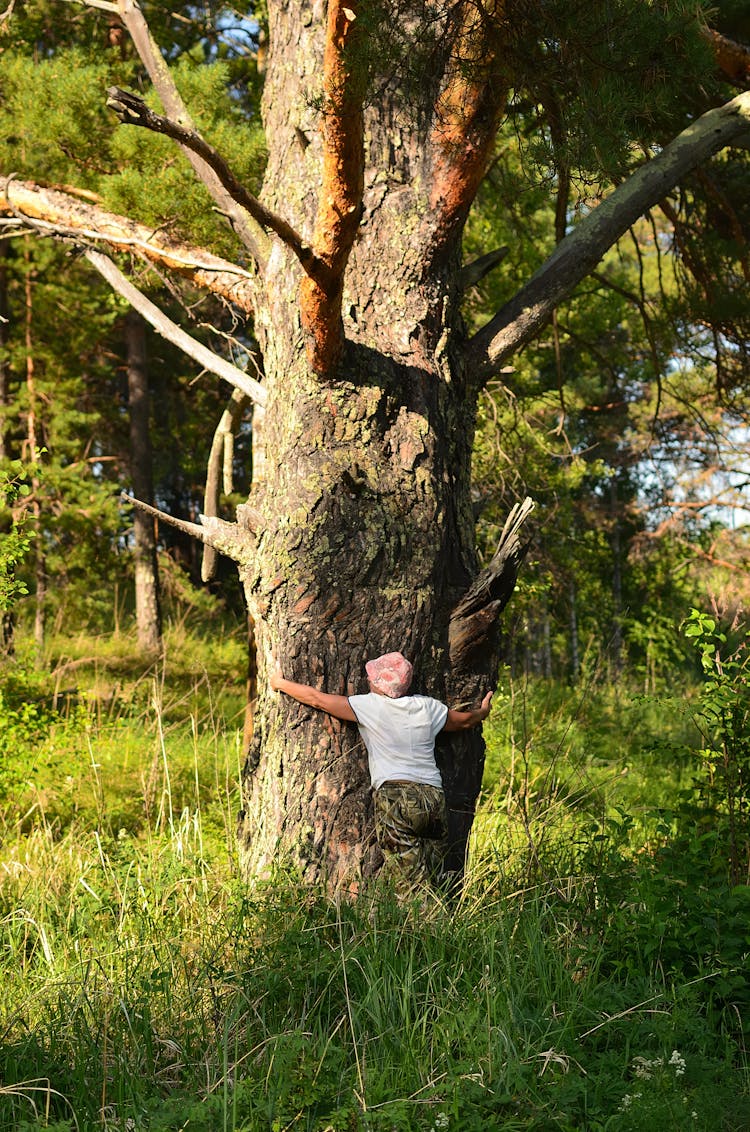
<point x="399" y="732"/>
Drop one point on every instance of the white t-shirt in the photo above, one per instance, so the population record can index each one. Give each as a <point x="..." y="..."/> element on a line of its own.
<point x="400" y="736"/>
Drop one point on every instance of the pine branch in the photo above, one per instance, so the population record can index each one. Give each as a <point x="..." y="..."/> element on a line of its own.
<point x="133" y="111"/>
<point x="732" y="58"/>
<point x="576" y="256"/>
<point x="342" y="187"/>
<point x="173" y="333"/>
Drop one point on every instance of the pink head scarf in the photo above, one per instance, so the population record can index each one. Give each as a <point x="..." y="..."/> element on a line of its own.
<point x="390" y="674"/>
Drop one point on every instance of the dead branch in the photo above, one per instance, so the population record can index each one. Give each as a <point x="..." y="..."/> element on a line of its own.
<point x="225" y="430"/>
<point x="249" y="387"/>
<point x="191" y="529"/>
<point x="228" y="538"/>
<point x="57" y="214"/>
<point x="342" y="187"/>
<point x="475" y="272"/>
<point x="475" y="616"/>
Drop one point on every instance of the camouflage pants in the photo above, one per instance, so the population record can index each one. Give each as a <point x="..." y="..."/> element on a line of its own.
<point x="411" y="827"/>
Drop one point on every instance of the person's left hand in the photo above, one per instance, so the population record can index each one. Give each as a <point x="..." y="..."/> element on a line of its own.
<point x="276" y="679"/>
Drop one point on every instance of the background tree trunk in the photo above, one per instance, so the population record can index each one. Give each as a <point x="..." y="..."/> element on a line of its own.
<point x="147" y="605"/>
<point x="33" y="449"/>
<point x="7" y="621"/>
<point x="4" y="339"/>
<point x="575" y="660"/>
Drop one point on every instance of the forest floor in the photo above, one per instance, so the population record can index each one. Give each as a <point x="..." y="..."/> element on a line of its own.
<point x="593" y="975"/>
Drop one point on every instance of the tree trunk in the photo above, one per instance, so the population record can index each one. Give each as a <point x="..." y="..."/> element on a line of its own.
<point x="575" y="660"/>
<point x="33" y="450"/>
<point x="546" y="644"/>
<point x="147" y="605"/>
<point x="4" y="339"/>
<point x="7" y="620"/>
<point x="617" y="605"/>
<point x="366" y="540"/>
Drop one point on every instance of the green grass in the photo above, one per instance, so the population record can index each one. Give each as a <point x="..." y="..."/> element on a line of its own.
<point x="591" y="977"/>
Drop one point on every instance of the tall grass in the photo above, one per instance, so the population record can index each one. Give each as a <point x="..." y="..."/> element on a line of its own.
<point x="142" y="986"/>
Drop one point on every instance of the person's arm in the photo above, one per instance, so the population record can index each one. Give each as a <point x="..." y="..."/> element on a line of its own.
<point x="337" y="706"/>
<point x="463" y="720"/>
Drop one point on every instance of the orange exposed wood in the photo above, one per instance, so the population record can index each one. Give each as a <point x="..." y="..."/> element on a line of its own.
<point x="467" y="113"/>
<point x="733" y="59"/>
<point x="342" y="182"/>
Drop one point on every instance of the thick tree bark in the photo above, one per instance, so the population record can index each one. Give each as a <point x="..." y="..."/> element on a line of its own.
<point x="147" y="604"/>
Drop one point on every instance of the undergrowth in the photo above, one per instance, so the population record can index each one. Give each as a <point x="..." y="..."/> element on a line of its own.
<point x="592" y="976"/>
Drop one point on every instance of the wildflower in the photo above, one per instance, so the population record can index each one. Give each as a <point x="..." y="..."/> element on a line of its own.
<point x="442" y="1120"/>
<point x="678" y="1061"/>
<point x="644" y="1069"/>
<point x="627" y="1100"/>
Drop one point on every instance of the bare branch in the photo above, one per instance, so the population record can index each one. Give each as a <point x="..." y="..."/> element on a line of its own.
<point x="60" y="215"/>
<point x="580" y="251"/>
<point x="133" y="111"/>
<point x="475" y="272"/>
<point x="231" y="540"/>
<point x="226" y="428"/>
<point x="164" y="326"/>
<point x="183" y="525"/>
<point x="342" y="186"/>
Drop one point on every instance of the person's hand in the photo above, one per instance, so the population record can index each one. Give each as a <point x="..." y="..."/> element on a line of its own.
<point x="486" y="704"/>
<point x="276" y="679"/>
